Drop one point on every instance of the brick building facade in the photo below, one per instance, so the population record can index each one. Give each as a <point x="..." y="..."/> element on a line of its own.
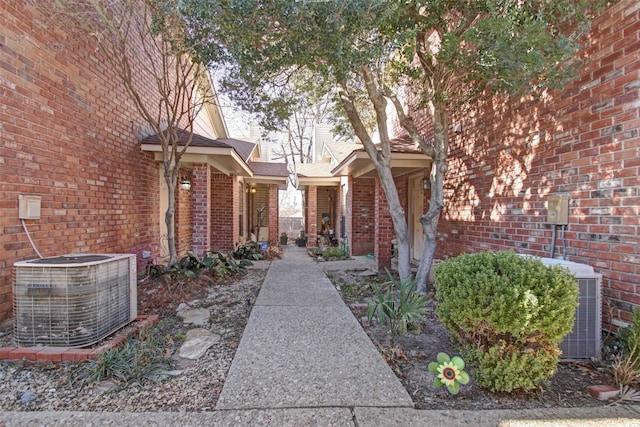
<point x="66" y="136"/>
<point x="581" y="141"/>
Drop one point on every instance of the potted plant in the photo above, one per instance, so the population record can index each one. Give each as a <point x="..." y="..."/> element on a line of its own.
<point x="284" y="239"/>
<point x="302" y="240"/>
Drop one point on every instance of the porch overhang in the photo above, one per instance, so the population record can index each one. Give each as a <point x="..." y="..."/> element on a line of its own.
<point x="359" y="165"/>
<point x="306" y="181"/>
<point x="316" y="175"/>
<point x="280" y="181"/>
<point x="223" y="159"/>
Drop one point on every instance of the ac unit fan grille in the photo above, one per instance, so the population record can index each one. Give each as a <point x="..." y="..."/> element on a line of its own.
<point x="71" y="306"/>
<point x="584" y="341"/>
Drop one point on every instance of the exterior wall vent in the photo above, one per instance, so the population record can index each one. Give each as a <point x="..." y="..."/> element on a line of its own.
<point x="585" y="340"/>
<point x="73" y="300"/>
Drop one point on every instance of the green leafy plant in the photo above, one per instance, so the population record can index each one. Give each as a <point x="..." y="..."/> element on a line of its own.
<point x="187" y="267"/>
<point x="509" y="314"/>
<point x="398" y="306"/>
<point x="626" y="364"/>
<point x="250" y="251"/>
<point x="220" y="264"/>
<point x="335" y="253"/>
<point x="138" y="359"/>
<point x="213" y="263"/>
<point x="449" y="372"/>
<point x="316" y="251"/>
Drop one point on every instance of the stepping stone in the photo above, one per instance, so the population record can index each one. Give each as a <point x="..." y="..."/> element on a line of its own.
<point x="195" y="316"/>
<point x="197" y="343"/>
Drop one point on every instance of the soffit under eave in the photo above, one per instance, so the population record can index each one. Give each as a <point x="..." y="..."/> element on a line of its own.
<point x="280" y="181"/>
<point x="318" y="182"/>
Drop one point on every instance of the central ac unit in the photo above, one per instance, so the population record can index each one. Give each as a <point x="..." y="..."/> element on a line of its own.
<point x="73" y="300"/>
<point x="584" y="342"/>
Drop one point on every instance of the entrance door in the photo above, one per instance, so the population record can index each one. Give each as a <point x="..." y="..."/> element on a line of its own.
<point x="416" y="207"/>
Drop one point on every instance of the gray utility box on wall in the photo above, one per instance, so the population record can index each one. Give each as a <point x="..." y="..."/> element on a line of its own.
<point x="585" y="340"/>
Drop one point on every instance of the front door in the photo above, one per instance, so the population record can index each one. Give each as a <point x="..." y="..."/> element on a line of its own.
<point x="416" y="207"/>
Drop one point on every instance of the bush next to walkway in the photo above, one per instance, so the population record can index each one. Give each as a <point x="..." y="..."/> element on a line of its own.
<point x="508" y="313"/>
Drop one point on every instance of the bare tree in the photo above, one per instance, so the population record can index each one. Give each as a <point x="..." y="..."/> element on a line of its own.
<point x="144" y="42"/>
<point x="297" y="145"/>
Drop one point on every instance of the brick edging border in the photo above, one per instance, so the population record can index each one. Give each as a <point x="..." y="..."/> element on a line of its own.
<point x="46" y="355"/>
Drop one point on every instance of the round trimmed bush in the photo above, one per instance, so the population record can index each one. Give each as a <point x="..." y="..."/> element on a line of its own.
<point x="509" y="314"/>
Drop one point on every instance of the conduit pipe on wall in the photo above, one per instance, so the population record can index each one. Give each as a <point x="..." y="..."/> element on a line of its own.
<point x="24" y="226"/>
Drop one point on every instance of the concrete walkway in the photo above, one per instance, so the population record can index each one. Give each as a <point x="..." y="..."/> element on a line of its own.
<point x="305" y="361"/>
<point x="303" y="348"/>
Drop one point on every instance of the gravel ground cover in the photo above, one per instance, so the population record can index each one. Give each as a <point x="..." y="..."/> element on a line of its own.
<point x="196" y="385"/>
<point x="187" y="386"/>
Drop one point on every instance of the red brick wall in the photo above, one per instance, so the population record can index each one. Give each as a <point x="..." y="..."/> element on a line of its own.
<point x="337" y="211"/>
<point x="200" y="208"/>
<point x="224" y="211"/>
<point x="581" y="141"/>
<point x="348" y="210"/>
<point x="66" y="132"/>
<point x="273" y="215"/>
<point x="363" y="218"/>
<point x="311" y="220"/>
<point x="183" y="218"/>
<point x="384" y="231"/>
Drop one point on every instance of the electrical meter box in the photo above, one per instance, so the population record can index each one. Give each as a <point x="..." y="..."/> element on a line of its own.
<point x="558" y="209"/>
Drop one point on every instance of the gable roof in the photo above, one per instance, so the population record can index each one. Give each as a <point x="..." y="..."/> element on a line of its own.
<point x="405" y="158"/>
<point x="196" y="140"/>
<point x="340" y="150"/>
<point x="314" y="170"/>
<point x="227" y="156"/>
<point x="269" y="169"/>
<point x="244" y="148"/>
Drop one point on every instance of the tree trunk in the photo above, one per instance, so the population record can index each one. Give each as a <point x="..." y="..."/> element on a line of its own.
<point x="169" y="217"/>
<point x="398" y="219"/>
<point x="430" y="219"/>
<point x="381" y="160"/>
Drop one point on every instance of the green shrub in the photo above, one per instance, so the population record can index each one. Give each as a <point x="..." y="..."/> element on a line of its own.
<point x="629" y="336"/>
<point x="508" y="313"/>
<point x="336" y="253"/>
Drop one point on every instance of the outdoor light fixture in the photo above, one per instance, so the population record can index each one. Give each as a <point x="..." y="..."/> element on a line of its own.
<point x="253" y="190"/>
<point x="185" y="184"/>
<point x="426" y="183"/>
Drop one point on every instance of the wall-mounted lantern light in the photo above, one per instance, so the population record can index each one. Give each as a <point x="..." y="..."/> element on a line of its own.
<point x="426" y="183"/>
<point x="253" y="190"/>
<point x="185" y="184"/>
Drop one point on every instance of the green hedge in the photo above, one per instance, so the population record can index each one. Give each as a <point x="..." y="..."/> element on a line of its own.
<point x="508" y="313"/>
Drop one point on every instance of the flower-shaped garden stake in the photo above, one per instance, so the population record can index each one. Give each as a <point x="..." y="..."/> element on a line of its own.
<point x="449" y="372"/>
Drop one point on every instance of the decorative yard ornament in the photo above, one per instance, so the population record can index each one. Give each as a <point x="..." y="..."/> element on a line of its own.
<point x="449" y="372"/>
